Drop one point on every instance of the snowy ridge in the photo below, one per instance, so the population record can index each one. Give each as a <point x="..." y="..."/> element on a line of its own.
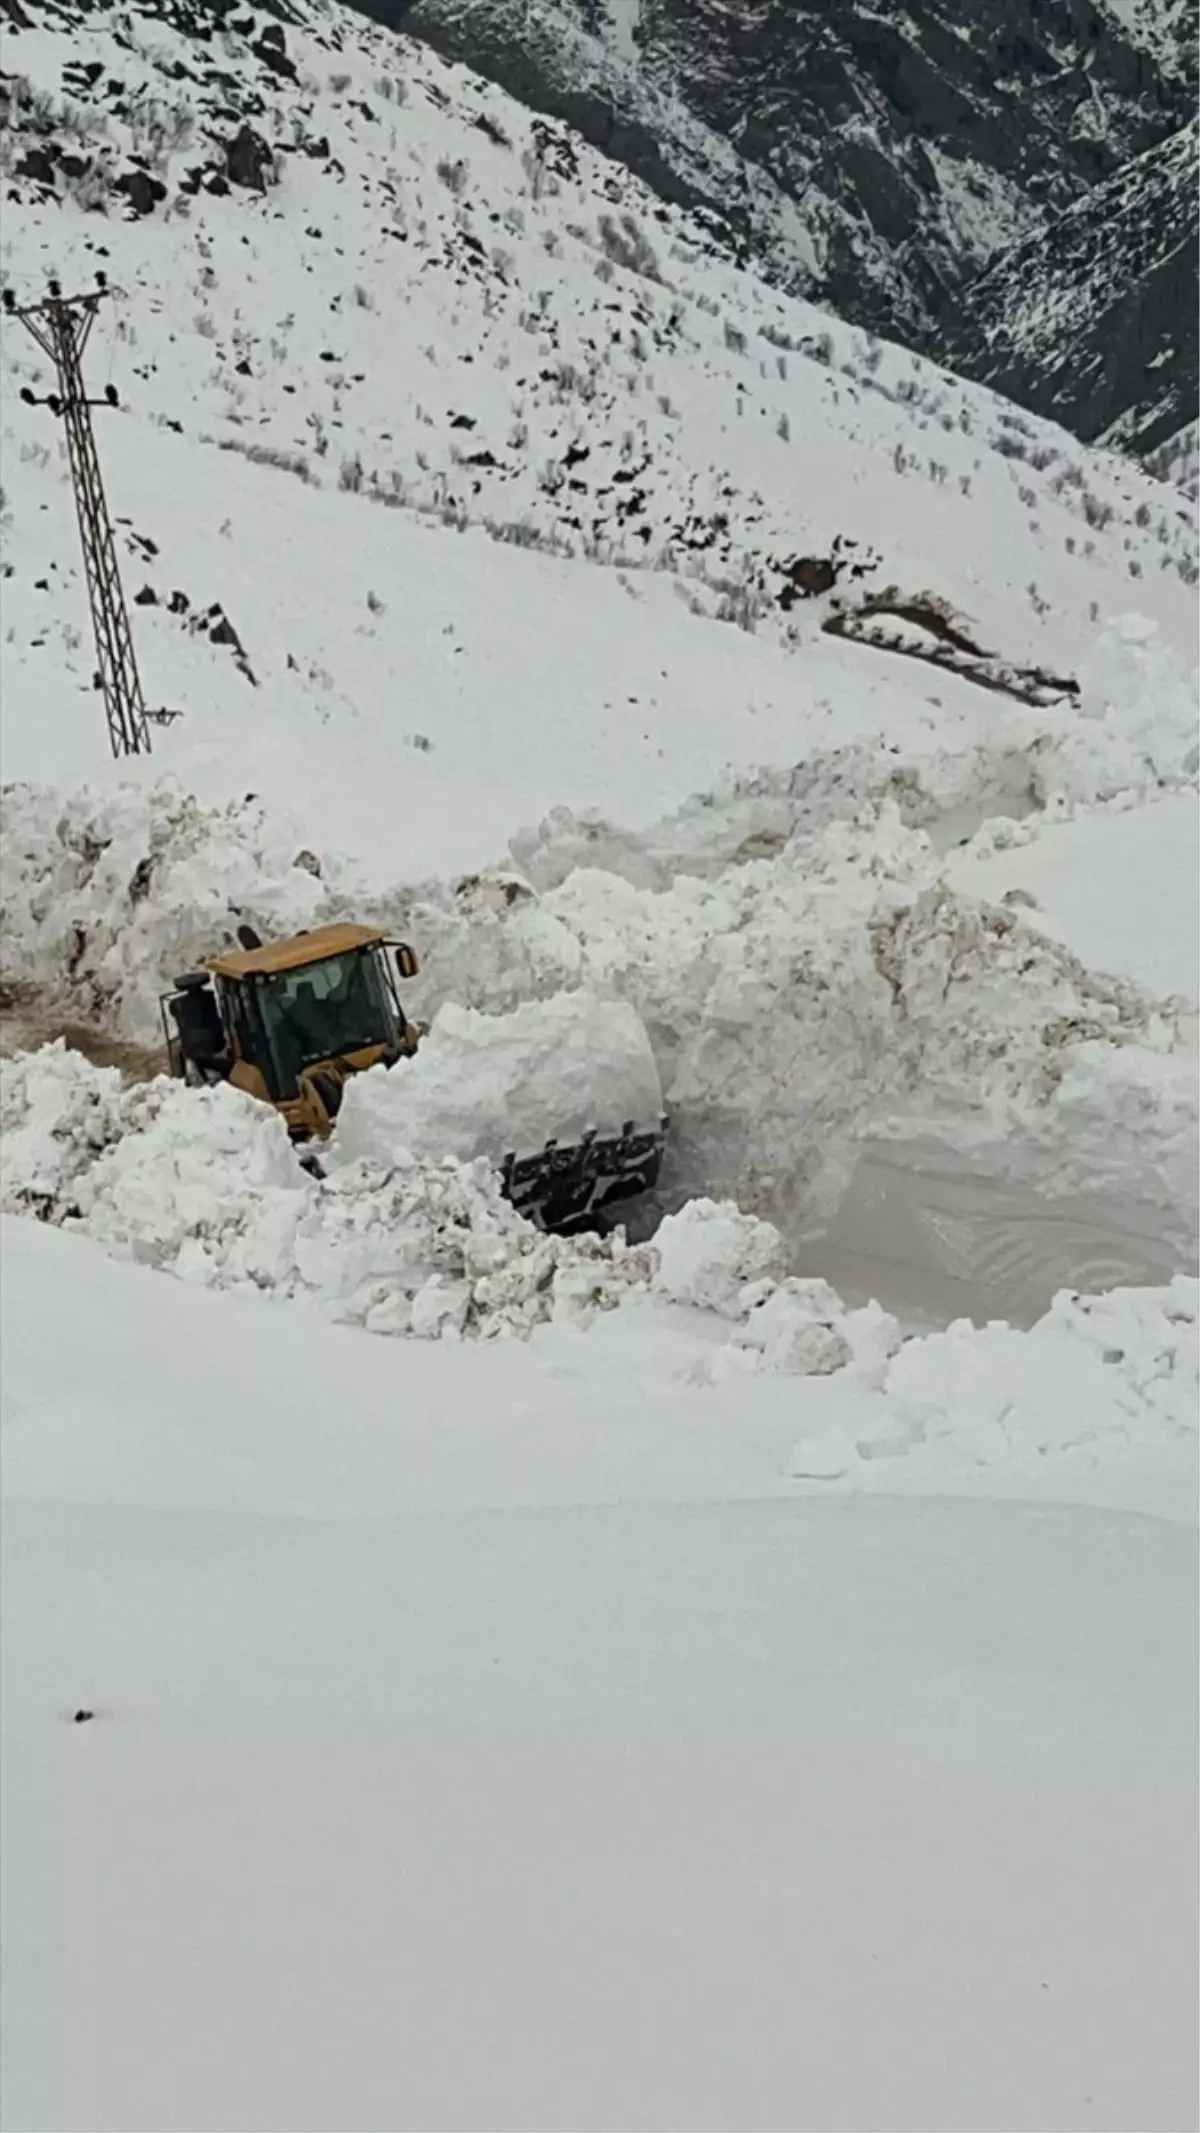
<point x="880" y="158"/>
<point x="1178" y="459"/>
<point x="106" y="893"/>
<point x="1093" y="320"/>
<point x="205" y="1186"/>
<point x="505" y="333"/>
<point x="804" y="1009"/>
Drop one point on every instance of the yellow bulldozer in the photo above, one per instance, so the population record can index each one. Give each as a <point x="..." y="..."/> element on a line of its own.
<point x="290" y="1021"/>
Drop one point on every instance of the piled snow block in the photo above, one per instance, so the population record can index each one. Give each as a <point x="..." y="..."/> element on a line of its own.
<point x="497" y="1085"/>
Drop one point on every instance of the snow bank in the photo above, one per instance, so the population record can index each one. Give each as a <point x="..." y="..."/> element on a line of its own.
<point x="103" y="899"/>
<point x="1117" y="884"/>
<point x="797" y="1006"/>
<point x="491" y="1086"/>
<point x="105" y="894"/>
<point x="1135" y="729"/>
<point x="204" y="1184"/>
<point x="1130" y="737"/>
<point x="1099" y="1380"/>
<point x="829" y="992"/>
<point x="801" y="1006"/>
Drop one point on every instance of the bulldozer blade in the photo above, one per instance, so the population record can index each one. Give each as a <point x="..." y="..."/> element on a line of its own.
<point x="567" y="1184"/>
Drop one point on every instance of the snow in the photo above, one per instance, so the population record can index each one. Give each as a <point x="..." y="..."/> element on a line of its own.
<point x="497" y="1085"/>
<point x="808" y="1016"/>
<point x="708" y="1253"/>
<point x="626" y="18"/>
<point x="471" y="1752"/>
<point x="204" y="1185"/>
<point x="982" y="1398"/>
<point x="749" y="1692"/>
<point x="432" y="670"/>
<point x="1164" y="26"/>
<point x="1118" y="887"/>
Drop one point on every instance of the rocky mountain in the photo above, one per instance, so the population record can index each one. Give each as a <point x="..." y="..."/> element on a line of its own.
<point x="877" y="161"/>
<point x="421" y="400"/>
<point x="1092" y="321"/>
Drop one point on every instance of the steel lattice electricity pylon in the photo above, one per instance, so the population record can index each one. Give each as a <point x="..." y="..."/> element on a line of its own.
<point x="61" y="326"/>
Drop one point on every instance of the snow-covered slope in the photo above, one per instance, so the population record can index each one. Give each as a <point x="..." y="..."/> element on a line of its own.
<point x="503" y="334"/>
<point x="1093" y="320"/>
<point x="1167" y="28"/>
<point x="873" y="158"/>
<point x="881" y="162"/>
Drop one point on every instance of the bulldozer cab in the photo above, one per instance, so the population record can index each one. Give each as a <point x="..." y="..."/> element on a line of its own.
<point x="318" y="1013"/>
<point x="290" y="1020"/>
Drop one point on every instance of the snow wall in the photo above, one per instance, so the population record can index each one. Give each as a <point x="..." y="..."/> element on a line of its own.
<point x="205" y="1186"/>
<point x="913" y="1086"/>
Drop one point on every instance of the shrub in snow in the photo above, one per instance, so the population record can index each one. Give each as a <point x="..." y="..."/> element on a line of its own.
<point x="453" y="174"/>
<point x="268" y="455"/>
<point x="627" y="245"/>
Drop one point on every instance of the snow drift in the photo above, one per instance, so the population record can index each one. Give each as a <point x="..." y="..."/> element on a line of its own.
<point x="814" y="1018"/>
<point x="1098" y="1379"/>
<point x="105" y="894"/>
<point x="205" y="1185"/>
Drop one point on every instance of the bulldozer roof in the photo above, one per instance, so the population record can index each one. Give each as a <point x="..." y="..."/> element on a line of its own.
<point x="293" y="954"/>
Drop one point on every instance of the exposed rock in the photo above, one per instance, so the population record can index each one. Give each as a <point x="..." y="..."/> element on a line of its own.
<point x="249" y="161"/>
<point x="40" y="164"/>
<point x="878" y="160"/>
<point x="272" y="51"/>
<point x="1093" y="321"/>
<point x="849" y="112"/>
<point x="142" y="191"/>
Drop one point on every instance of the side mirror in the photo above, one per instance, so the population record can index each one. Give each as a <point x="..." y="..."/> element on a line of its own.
<point x="406" y="960"/>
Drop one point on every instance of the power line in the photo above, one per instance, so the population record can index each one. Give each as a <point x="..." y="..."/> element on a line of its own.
<point x="61" y="326"/>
